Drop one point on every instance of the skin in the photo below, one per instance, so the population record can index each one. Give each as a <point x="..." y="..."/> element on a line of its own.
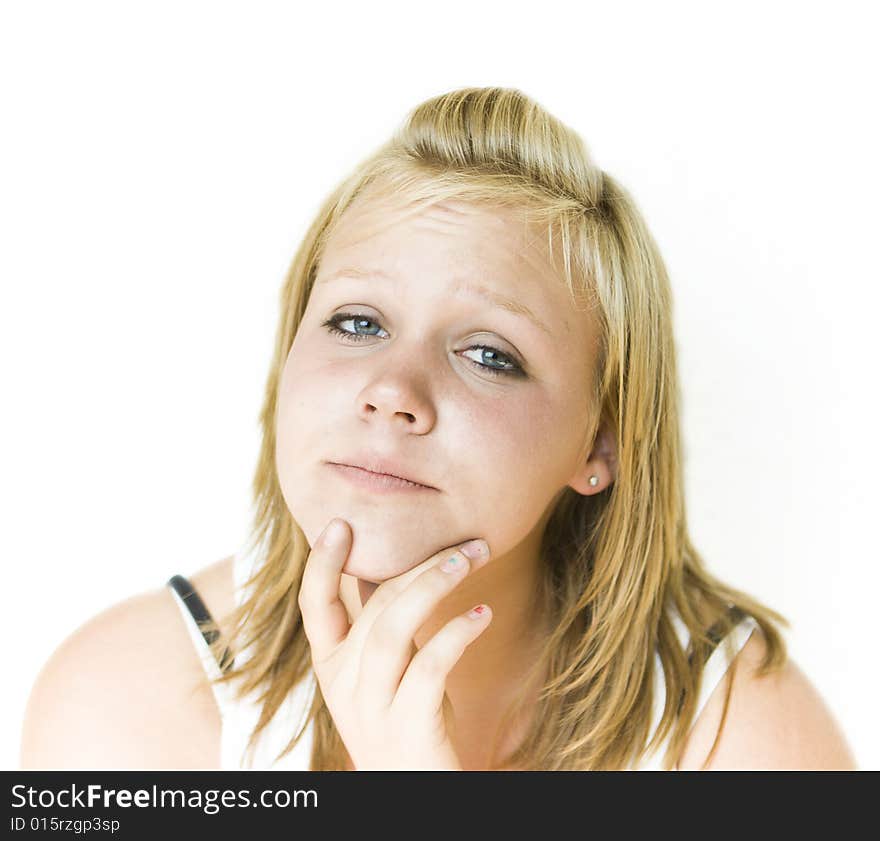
<point x="499" y="449"/>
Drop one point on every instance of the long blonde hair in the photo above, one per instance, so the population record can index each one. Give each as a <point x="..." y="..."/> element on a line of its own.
<point x="619" y="564"/>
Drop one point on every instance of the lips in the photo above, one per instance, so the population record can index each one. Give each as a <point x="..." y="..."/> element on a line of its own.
<point x="383" y="466"/>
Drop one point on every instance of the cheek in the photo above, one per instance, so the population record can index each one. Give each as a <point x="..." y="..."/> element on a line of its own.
<point x="295" y="421"/>
<point x="519" y="459"/>
<point x="518" y="438"/>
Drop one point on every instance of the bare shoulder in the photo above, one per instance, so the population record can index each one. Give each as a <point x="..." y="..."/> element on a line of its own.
<point x="126" y="690"/>
<point x="775" y="722"/>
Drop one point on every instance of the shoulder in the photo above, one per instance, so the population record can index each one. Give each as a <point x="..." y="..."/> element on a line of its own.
<point x="774" y="722"/>
<point x="126" y="690"/>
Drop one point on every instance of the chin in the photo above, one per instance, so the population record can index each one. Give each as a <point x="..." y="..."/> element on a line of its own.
<point x="368" y="572"/>
<point x="385" y="543"/>
<point x="377" y="562"/>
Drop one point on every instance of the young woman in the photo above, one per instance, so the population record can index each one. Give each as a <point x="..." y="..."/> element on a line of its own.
<point x="475" y="344"/>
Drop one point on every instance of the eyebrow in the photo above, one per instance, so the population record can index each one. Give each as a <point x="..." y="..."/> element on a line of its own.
<point x="474" y="289"/>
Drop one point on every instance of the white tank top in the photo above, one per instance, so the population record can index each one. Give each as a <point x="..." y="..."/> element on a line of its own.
<point x="239" y="717"/>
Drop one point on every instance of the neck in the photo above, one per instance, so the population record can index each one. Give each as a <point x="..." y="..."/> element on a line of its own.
<point x="492" y="669"/>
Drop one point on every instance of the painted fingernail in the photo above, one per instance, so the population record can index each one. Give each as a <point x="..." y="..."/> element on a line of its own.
<point x="478" y="611"/>
<point x="452" y="564"/>
<point x="475" y="549"/>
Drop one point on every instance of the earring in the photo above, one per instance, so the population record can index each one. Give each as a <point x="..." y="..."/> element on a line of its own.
<point x="594" y="480"/>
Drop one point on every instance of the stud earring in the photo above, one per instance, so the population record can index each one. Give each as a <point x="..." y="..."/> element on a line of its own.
<point x="594" y="480"/>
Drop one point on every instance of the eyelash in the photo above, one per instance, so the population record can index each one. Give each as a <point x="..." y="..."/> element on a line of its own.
<point x="332" y="325"/>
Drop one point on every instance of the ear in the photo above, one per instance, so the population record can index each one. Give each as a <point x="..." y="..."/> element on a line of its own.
<point x="601" y="463"/>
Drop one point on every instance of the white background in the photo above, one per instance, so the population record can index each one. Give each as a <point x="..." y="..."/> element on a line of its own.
<point x="160" y="163"/>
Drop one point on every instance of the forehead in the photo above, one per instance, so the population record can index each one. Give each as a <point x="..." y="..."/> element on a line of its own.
<point x="447" y="244"/>
<point x="386" y="217"/>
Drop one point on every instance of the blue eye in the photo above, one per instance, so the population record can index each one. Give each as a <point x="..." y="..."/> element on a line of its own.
<point x="332" y="325"/>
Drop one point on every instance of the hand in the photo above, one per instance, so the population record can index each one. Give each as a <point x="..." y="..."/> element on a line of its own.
<point x="387" y="698"/>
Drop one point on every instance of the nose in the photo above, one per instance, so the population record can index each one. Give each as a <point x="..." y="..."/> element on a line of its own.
<point x="397" y="397"/>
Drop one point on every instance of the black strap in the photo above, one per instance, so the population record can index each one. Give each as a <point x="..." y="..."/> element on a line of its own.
<point x="719" y="630"/>
<point x="200" y="614"/>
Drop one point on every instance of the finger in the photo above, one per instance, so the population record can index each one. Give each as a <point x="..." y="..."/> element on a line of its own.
<point x="325" y="618"/>
<point x="390" y="589"/>
<point x="424" y="683"/>
<point x="388" y="649"/>
<point x="348" y="592"/>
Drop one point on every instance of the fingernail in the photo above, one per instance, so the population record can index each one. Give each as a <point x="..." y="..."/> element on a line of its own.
<point x="475" y="549"/>
<point x="478" y="611"/>
<point x="452" y="564"/>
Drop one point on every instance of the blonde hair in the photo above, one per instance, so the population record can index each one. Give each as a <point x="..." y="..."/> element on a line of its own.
<point x="618" y="564"/>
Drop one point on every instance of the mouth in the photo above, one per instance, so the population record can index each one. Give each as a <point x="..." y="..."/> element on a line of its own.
<point x="376" y="481"/>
